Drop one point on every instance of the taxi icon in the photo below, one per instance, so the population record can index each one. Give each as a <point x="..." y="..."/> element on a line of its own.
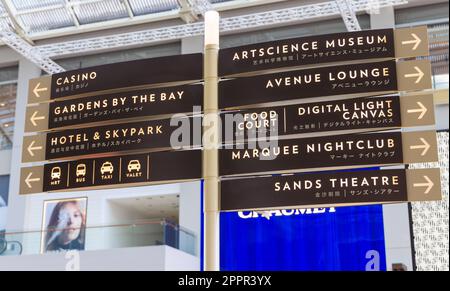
<point x="81" y="170"/>
<point x="107" y="167"/>
<point x="56" y="173"/>
<point x="134" y="165"/>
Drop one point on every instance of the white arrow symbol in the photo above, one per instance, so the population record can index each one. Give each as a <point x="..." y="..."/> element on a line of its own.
<point x="422" y="110"/>
<point x="31" y="148"/>
<point x="28" y="180"/>
<point x="34" y="118"/>
<point x="419" y="75"/>
<point x="415" y="41"/>
<point x="425" y="146"/>
<point x="429" y="184"/>
<point x="36" y="90"/>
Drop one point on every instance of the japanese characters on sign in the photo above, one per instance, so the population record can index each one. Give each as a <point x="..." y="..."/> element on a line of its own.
<point x="115" y="106"/>
<point x="320" y="49"/>
<point x="334" y="115"/>
<point x="373" y="78"/>
<point x="131" y="74"/>
<point x="154" y="134"/>
<point x="339" y="151"/>
<point x="330" y="189"/>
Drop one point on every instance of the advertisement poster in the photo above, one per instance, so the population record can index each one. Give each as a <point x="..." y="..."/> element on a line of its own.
<point x="64" y="225"/>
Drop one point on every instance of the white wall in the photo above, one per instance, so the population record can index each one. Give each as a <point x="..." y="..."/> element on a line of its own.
<point x="154" y="258"/>
<point x="442" y="113"/>
<point x="5" y="166"/>
<point x="190" y="213"/>
<point x="3" y="215"/>
<point x="5" y="162"/>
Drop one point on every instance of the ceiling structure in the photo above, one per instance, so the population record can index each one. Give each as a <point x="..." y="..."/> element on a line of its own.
<point x="23" y="21"/>
<point x="150" y="207"/>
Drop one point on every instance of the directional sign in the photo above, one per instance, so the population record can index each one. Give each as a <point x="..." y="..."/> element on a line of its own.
<point x="31" y="180"/>
<point x="329" y="48"/>
<point x="132" y="74"/>
<point x="329" y="152"/>
<point x="37" y="118"/>
<point x="115" y="106"/>
<point x="330" y="189"/>
<point x="367" y="78"/>
<point x="112" y="172"/>
<point x="125" y="137"/>
<point x="365" y="113"/>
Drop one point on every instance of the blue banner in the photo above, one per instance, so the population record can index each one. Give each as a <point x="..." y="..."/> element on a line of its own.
<point x="325" y="239"/>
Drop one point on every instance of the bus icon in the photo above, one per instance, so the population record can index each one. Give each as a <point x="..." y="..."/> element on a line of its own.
<point x="81" y="170"/>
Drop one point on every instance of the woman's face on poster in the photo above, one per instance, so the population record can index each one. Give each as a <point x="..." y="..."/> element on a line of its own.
<point x="71" y="220"/>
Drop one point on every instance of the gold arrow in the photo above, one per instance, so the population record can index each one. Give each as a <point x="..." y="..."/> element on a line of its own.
<point x="34" y="118"/>
<point x="419" y="75"/>
<point x="422" y="110"/>
<point x="425" y="146"/>
<point x="429" y="184"/>
<point x="31" y="148"/>
<point x="28" y="180"/>
<point x="416" y="41"/>
<point x="36" y="90"/>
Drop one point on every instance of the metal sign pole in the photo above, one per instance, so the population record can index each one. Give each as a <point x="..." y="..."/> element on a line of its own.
<point x="211" y="142"/>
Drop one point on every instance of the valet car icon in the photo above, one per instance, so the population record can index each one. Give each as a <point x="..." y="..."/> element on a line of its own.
<point x="134" y="165"/>
<point x="107" y="167"/>
<point x="56" y="173"/>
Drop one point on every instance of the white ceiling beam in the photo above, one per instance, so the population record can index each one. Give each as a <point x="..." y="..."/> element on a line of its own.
<point x="72" y="14"/>
<point x="137" y="20"/>
<point x="201" y="6"/>
<point x="12" y="14"/>
<point x="186" y="12"/>
<point x="32" y="53"/>
<point x="348" y="15"/>
<point x="128" y="7"/>
<point x="228" y="25"/>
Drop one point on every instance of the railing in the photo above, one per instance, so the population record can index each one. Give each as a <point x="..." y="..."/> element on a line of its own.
<point x="149" y="233"/>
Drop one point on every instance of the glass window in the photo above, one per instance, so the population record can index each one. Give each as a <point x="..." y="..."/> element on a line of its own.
<point x="4" y="189"/>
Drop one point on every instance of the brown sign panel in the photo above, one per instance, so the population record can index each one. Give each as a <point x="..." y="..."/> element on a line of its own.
<point x="132" y="74"/>
<point x="339" y="151"/>
<point x="419" y="147"/>
<point x="115" y="106"/>
<point x="37" y="118"/>
<point x="125" y="137"/>
<point x="112" y="172"/>
<point x="414" y="75"/>
<point x="31" y="180"/>
<point x="417" y="110"/>
<point x="366" y="113"/>
<point x="33" y="148"/>
<point x="328" y="48"/>
<point x="411" y="42"/>
<point x="333" y="115"/>
<point x="424" y="184"/>
<point x="330" y="189"/>
<point x="367" y="78"/>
